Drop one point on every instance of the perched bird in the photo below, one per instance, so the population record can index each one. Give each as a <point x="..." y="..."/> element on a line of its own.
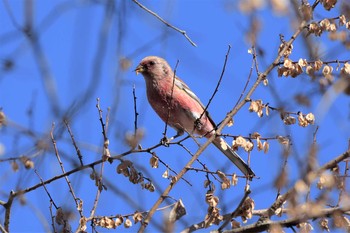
<point x="180" y="108"/>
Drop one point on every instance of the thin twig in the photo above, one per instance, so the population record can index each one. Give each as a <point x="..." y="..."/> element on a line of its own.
<point x="47" y="191"/>
<point x="105" y="156"/>
<point x="165" y="22"/>
<point x="218" y="83"/>
<point x="101" y="120"/>
<point x="52" y="217"/>
<point x="80" y="157"/>
<point x="135" y="109"/>
<point x="169" y="168"/>
<point x="8" y="207"/>
<point x="51" y="201"/>
<point x="170" y="100"/>
<point x="63" y="171"/>
<point x="247" y="82"/>
<point x="255" y="56"/>
<point x="205" y="170"/>
<point x="98" y="191"/>
<point x="236" y="212"/>
<point x="346" y="174"/>
<point x="107" y="119"/>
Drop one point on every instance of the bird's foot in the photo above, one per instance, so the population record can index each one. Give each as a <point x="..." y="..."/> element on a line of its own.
<point x="165" y="141"/>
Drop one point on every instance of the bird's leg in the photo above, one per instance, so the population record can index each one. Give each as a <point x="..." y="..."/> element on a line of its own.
<point x="198" y="124"/>
<point x="165" y="141"/>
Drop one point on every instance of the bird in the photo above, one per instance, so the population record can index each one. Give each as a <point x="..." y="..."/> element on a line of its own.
<point x="180" y="108"/>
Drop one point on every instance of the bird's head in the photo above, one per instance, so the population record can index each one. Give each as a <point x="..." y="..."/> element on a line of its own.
<point x="153" y="67"/>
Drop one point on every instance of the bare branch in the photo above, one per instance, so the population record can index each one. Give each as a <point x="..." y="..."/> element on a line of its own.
<point x="288" y="222"/>
<point x="76" y="200"/>
<point x="165" y="22"/>
<point x="218" y="84"/>
<point x="307" y="179"/>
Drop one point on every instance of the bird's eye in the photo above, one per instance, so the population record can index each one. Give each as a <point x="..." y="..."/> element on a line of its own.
<point x="152" y="63"/>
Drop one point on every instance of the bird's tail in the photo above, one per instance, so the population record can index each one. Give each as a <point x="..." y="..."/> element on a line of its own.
<point x="222" y="145"/>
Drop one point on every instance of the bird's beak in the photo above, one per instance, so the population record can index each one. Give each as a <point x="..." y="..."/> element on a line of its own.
<point x="139" y="69"/>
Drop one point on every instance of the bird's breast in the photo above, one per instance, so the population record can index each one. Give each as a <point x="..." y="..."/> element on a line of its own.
<point x="178" y="109"/>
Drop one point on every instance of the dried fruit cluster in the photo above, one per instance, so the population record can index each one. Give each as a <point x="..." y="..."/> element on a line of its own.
<point x="293" y="69"/>
<point x="114" y="222"/>
<point x="213" y="213"/>
<point x="127" y="168"/>
<point x="303" y="119"/>
<point x="248" y="145"/>
<point x="27" y="162"/>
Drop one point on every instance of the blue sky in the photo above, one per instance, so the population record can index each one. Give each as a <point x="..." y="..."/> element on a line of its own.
<point x="82" y="55"/>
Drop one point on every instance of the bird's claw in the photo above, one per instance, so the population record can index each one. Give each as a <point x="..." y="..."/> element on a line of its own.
<point x="165" y="141"/>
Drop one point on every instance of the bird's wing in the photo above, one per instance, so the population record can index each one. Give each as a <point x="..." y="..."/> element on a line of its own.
<point x="180" y="84"/>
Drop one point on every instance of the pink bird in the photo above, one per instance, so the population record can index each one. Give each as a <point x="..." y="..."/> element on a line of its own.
<point x="180" y="108"/>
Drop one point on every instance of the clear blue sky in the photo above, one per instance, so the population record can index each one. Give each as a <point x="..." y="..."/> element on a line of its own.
<point x="82" y="55"/>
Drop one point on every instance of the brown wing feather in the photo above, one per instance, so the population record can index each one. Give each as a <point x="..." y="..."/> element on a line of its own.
<point x="183" y="86"/>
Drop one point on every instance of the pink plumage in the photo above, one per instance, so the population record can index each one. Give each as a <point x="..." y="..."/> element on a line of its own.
<point x="177" y="105"/>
